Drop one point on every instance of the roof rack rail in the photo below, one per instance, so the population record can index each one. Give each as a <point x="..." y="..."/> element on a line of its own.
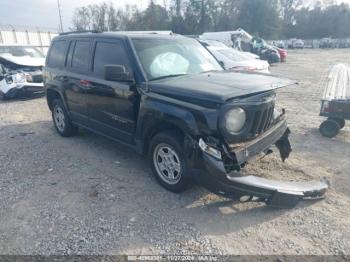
<point x="155" y="32"/>
<point x="81" y="32"/>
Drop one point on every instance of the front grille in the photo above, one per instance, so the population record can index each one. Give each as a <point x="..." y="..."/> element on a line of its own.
<point x="261" y="121"/>
<point x="37" y="78"/>
<point x="260" y="110"/>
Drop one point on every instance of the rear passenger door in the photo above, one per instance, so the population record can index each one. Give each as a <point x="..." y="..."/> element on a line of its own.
<point x="111" y="104"/>
<point x="78" y="70"/>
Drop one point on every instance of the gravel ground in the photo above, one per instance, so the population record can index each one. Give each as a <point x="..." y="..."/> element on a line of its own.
<point x="86" y="195"/>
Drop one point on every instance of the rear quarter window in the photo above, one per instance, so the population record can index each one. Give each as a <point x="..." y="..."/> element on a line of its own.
<point x="57" y="54"/>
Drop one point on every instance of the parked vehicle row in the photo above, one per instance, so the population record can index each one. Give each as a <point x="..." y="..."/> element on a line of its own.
<point x="167" y="97"/>
<point x="265" y="51"/>
<point x="295" y="43"/>
<point x="243" y="41"/>
<point x="325" y="42"/>
<point x="234" y="60"/>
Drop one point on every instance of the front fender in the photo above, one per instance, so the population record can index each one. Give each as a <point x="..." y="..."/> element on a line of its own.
<point x="154" y="113"/>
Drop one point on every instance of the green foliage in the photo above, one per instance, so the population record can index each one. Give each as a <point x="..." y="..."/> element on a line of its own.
<point x="260" y="17"/>
<point x="333" y="21"/>
<point x="270" y="19"/>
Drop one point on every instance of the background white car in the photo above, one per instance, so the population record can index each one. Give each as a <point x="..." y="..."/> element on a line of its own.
<point x="235" y="60"/>
<point x="296" y="43"/>
<point x="21" y="70"/>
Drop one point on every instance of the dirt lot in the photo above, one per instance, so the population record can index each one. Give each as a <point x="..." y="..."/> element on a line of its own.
<point x="87" y="195"/>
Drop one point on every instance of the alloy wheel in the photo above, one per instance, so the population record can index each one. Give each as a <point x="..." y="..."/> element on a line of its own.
<point x="167" y="163"/>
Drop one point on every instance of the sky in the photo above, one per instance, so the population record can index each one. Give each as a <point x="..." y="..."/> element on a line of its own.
<point x="44" y="14"/>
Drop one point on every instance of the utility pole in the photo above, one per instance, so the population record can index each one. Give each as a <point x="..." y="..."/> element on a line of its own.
<point x="178" y="8"/>
<point x="202" y="17"/>
<point x="60" y="16"/>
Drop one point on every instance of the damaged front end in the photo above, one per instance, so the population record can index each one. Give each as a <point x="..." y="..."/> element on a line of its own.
<point x="220" y="163"/>
<point x="20" y="75"/>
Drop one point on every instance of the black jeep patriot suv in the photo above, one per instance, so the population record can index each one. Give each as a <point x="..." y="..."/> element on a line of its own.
<point x="167" y="96"/>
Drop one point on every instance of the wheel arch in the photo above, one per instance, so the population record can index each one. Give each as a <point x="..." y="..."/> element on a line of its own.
<point x="51" y="95"/>
<point x="153" y="121"/>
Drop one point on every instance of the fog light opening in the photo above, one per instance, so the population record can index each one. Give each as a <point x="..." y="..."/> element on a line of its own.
<point x="245" y="198"/>
<point x="209" y="150"/>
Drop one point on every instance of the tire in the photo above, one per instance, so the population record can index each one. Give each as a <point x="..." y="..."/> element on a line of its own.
<point x="2" y="96"/>
<point x="329" y="128"/>
<point x="173" y="174"/>
<point x="61" y="119"/>
<point x="340" y="121"/>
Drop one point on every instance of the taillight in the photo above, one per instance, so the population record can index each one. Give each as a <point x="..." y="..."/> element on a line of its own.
<point x="326" y="107"/>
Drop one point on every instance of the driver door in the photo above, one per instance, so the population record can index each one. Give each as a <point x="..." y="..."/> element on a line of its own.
<point x="111" y="105"/>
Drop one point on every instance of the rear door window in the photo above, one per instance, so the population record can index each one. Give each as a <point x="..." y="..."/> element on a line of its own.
<point x="57" y="54"/>
<point x="81" y="56"/>
<point x="70" y="54"/>
<point x="109" y="53"/>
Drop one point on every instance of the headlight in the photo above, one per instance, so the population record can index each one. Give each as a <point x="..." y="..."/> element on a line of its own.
<point x="235" y="120"/>
<point x="19" y="78"/>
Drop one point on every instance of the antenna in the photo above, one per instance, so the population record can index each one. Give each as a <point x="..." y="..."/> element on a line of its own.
<point x="59" y="14"/>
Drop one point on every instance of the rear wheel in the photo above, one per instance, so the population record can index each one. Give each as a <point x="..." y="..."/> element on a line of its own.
<point x="340" y="121"/>
<point x="61" y="119"/>
<point x="166" y="155"/>
<point x="329" y="128"/>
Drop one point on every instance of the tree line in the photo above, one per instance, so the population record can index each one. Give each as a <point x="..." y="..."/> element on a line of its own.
<point x="270" y="19"/>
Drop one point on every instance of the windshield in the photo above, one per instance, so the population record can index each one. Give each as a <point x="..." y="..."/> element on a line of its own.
<point x="20" y="51"/>
<point x="171" y="57"/>
<point x="234" y="55"/>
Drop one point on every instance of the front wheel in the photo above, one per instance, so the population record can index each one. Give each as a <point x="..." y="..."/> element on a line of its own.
<point x="2" y="96"/>
<point x="329" y="128"/>
<point x="61" y="119"/>
<point x="168" y="163"/>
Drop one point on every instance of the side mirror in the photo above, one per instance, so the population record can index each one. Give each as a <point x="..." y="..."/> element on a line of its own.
<point x="117" y="73"/>
<point x="222" y="63"/>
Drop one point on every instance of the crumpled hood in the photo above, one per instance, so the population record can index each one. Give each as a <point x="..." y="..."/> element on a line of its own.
<point x="24" y="60"/>
<point x="255" y="63"/>
<point x="217" y="87"/>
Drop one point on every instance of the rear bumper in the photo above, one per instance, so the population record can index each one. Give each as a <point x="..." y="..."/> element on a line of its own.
<point x="212" y="174"/>
<point x="337" y="108"/>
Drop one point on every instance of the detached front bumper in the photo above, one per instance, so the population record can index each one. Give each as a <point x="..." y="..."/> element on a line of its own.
<point x="213" y="174"/>
<point x="26" y="89"/>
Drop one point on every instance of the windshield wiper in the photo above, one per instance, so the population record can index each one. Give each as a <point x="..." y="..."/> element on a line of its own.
<point x="167" y="76"/>
<point x="209" y="71"/>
